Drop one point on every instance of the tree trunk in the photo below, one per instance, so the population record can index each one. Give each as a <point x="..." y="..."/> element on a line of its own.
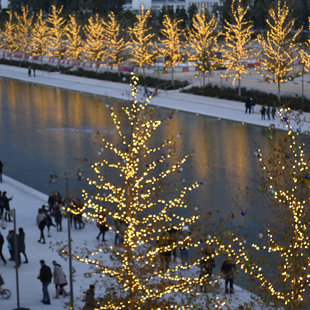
<point x="279" y="88"/>
<point x="239" y="87"/>
<point x="204" y="79"/>
<point x="172" y="78"/>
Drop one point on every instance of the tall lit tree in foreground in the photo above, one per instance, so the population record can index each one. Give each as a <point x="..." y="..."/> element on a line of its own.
<point x="286" y="179"/>
<point x="278" y="48"/>
<point x="172" y="43"/>
<point x="202" y="39"/>
<point x="141" y="43"/>
<point x="135" y="188"/>
<point x="237" y="49"/>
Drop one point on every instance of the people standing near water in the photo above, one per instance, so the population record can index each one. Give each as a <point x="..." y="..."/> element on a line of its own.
<point x="1" y="247"/>
<point x="273" y="112"/>
<point x="228" y="269"/>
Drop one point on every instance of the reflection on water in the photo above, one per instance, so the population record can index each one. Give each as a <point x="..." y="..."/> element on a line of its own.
<point x="46" y="129"/>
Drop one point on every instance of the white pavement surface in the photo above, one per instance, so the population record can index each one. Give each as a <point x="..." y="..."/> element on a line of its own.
<point x="26" y="202"/>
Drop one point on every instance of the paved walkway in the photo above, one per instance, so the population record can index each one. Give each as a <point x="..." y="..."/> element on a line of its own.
<point x="226" y="109"/>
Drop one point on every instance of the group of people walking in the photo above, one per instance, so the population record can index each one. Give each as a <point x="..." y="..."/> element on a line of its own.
<point x="265" y="110"/>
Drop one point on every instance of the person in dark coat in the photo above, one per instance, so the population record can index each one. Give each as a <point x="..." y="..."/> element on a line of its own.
<point x="6" y="203"/>
<point x="48" y="222"/>
<point x="58" y="218"/>
<point x="41" y="224"/>
<point x="22" y="246"/>
<point x="1" y="171"/>
<point x="228" y="269"/>
<point x="90" y="301"/>
<point x="1" y="246"/>
<point x="263" y="112"/>
<point x="29" y="71"/>
<point x="103" y="227"/>
<point x="248" y="105"/>
<point x="273" y="112"/>
<point x="10" y="239"/>
<point x="45" y="277"/>
<point x="268" y="112"/>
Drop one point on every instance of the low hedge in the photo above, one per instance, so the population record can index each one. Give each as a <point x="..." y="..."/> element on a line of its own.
<point x="259" y="97"/>
<point x="107" y="75"/>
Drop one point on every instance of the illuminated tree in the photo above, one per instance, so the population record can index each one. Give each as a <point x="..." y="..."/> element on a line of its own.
<point x="286" y="179"/>
<point x="237" y="49"/>
<point x="8" y="41"/>
<point x="202" y="39"/>
<point x="115" y="44"/>
<point x="39" y="39"/>
<point x="74" y="46"/>
<point x="305" y="56"/>
<point x="172" y="43"/>
<point x="23" y="30"/>
<point x="141" y="44"/>
<point x="278" y="48"/>
<point x="56" y="44"/>
<point x="94" y="42"/>
<point x="134" y="186"/>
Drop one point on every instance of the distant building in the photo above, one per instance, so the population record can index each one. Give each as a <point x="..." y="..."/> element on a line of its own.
<point x="4" y="4"/>
<point x="157" y="5"/>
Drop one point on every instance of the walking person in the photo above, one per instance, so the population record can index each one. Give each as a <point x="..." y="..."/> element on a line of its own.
<point x="273" y="112"/>
<point x="263" y="112"/>
<point x="268" y="111"/>
<point x="103" y="227"/>
<point x="90" y="301"/>
<point x="48" y="222"/>
<point x="6" y="204"/>
<point x="34" y="71"/>
<point x="29" y="71"/>
<point x="58" y="218"/>
<point x="228" y="269"/>
<point x="60" y="280"/>
<point x="41" y="224"/>
<point x="1" y="171"/>
<point x="1" y="247"/>
<point x="45" y="277"/>
<point x="21" y="242"/>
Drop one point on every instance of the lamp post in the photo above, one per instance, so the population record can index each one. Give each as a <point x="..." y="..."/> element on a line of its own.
<point x="66" y="176"/>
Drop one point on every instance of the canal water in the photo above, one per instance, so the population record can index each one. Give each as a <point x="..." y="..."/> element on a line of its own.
<point x="44" y="129"/>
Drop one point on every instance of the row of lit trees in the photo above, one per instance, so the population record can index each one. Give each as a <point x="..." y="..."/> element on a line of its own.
<point x="203" y="44"/>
